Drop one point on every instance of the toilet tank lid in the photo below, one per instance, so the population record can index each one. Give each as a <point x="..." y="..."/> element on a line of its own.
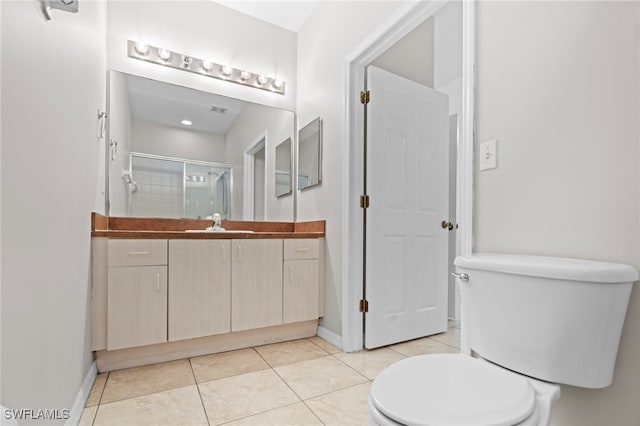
<point x="550" y="267"/>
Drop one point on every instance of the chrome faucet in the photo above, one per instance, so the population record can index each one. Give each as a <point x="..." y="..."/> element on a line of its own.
<point x="217" y="222"/>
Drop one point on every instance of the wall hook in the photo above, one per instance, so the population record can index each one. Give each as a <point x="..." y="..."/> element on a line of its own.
<point x="66" y="5"/>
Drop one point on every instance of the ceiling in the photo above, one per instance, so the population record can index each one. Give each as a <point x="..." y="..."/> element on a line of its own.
<point x="168" y="104"/>
<point x="290" y="15"/>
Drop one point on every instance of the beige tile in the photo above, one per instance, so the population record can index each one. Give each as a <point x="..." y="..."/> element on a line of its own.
<point x="326" y="346"/>
<point x="370" y="363"/>
<point x="96" y="390"/>
<point x="88" y="414"/>
<point x="345" y="407"/>
<point x="318" y="376"/>
<point x="285" y="353"/>
<point x="138" y="381"/>
<point x="423" y="346"/>
<point x="295" y="414"/>
<point x="226" y="364"/>
<point x="451" y="337"/>
<point x="180" y="406"/>
<point x="241" y="396"/>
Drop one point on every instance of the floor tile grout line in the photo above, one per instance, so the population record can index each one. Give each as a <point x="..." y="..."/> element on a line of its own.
<point x="95" y="415"/>
<point x="318" y="346"/>
<point x="148" y="393"/>
<point x="206" y="414"/>
<point x="347" y="365"/>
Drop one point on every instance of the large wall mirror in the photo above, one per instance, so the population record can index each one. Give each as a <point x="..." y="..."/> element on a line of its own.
<point x="310" y="154"/>
<point x="177" y="152"/>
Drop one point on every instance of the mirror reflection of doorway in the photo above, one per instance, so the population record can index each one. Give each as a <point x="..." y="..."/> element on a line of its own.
<point x="254" y="200"/>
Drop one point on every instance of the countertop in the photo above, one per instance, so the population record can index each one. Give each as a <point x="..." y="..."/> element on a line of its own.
<point x="157" y="228"/>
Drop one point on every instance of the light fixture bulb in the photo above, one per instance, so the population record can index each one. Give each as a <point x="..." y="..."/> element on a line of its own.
<point x="207" y="65"/>
<point x="186" y="122"/>
<point x="142" y="49"/>
<point x="262" y="79"/>
<point x="226" y="70"/>
<point x="277" y="84"/>
<point x="164" y="54"/>
<point x="186" y="60"/>
<point x="245" y="75"/>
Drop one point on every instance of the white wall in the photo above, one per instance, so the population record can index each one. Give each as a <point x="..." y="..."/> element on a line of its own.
<point x="153" y="138"/>
<point x="558" y="86"/>
<point x="332" y="31"/>
<point x="412" y="57"/>
<point x="252" y="123"/>
<point x="203" y="29"/>
<point x="53" y="82"/>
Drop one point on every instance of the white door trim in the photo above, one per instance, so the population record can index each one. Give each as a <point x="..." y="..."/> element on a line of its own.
<point x="249" y="161"/>
<point x="407" y="17"/>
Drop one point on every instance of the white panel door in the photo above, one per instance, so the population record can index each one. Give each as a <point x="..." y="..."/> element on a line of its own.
<point x="408" y="185"/>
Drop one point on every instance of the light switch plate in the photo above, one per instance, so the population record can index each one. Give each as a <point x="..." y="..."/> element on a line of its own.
<point x="489" y="155"/>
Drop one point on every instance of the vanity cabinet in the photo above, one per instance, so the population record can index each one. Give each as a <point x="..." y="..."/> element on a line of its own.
<point x="301" y="281"/>
<point x="199" y="288"/>
<point x="156" y="300"/>
<point x="256" y="289"/>
<point x="136" y="293"/>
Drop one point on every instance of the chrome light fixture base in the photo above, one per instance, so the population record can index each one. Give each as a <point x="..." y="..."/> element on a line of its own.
<point x="168" y="58"/>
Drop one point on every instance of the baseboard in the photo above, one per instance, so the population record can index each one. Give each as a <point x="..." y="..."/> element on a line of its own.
<point x="83" y="394"/>
<point x="330" y="337"/>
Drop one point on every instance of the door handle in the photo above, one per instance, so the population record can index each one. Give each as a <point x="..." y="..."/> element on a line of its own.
<point x="448" y="225"/>
<point x="462" y="277"/>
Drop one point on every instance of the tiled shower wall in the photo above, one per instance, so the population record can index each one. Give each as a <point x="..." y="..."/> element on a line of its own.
<point x="160" y="191"/>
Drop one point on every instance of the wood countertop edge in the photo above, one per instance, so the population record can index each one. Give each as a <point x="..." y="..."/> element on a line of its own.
<point x="181" y="235"/>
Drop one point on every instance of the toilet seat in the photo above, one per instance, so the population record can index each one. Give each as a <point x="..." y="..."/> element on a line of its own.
<point x="449" y="390"/>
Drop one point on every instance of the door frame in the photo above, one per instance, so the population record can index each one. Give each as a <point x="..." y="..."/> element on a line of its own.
<point x="249" y="188"/>
<point x="406" y="18"/>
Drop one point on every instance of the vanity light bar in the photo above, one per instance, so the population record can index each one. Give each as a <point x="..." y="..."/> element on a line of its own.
<point x="168" y="58"/>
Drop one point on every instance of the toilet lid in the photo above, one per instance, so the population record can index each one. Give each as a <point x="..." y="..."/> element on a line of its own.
<point x="451" y="390"/>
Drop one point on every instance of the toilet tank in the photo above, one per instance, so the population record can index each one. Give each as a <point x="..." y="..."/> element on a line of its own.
<point x="553" y="319"/>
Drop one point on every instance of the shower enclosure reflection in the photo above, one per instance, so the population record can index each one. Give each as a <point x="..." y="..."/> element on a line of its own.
<point x="178" y="188"/>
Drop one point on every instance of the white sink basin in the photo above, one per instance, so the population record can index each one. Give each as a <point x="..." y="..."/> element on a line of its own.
<point x="225" y="231"/>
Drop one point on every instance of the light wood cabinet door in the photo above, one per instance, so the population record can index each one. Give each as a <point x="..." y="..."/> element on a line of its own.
<point x="256" y="288"/>
<point x="199" y="288"/>
<point x="301" y="290"/>
<point x="136" y="306"/>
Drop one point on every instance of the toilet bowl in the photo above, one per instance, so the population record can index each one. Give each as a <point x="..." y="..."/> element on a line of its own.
<point x="450" y="389"/>
<point x="527" y="334"/>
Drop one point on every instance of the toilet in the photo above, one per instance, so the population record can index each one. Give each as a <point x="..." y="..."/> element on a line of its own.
<point x="530" y="323"/>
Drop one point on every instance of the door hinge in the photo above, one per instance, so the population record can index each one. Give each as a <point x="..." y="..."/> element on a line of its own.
<point x="365" y="97"/>
<point x="364" y="306"/>
<point x="364" y="201"/>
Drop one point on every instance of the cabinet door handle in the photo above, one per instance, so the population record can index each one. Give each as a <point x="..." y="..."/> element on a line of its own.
<point x="303" y="249"/>
<point x="158" y="282"/>
<point x="224" y="254"/>
<point x="139" y="253"/>
<point x="291" y="272"/>
<point x="239" y="253"/>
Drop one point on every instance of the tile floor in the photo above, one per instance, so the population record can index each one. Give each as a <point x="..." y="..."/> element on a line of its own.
<point x="302" y="382"/>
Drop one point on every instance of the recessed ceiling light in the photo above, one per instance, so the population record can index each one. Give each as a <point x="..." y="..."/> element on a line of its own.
<point x="186" y="122"/>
